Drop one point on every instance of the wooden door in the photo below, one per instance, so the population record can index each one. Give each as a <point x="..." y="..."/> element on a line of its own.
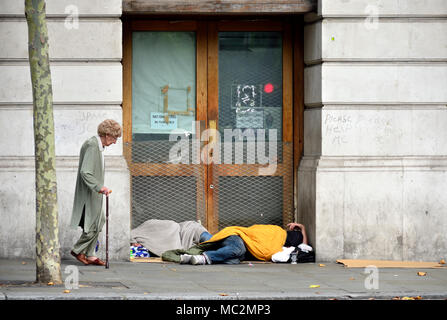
<point x="222" y="192"/>
<point x="249" y="95"/>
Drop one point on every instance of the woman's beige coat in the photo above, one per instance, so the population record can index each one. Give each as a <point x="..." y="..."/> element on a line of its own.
<point x="89" y="182"/>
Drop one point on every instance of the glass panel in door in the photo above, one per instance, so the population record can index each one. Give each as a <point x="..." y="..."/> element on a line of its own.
<point x="250" y="81"/>
<point x="163" y="83"/>
<point x="163" y="103"/>
<point x="250" y="112"/>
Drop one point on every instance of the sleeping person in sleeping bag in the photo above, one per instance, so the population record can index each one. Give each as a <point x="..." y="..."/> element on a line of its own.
<point x="233" y="244"/>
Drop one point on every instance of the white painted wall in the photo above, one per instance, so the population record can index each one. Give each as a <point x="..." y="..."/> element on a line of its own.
<point x="85" y="39"/>
<point x="375" y="130"/>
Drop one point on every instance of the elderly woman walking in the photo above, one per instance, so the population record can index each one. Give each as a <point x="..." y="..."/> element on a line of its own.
<point x="87" y="208"/>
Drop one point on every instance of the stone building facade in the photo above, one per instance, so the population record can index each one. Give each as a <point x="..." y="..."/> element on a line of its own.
<point x="369" y="109"/>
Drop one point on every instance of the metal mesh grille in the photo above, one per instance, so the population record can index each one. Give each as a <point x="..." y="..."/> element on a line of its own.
<point x="247" y="62"/>
<point x="170" y="198"/>
<point x="241" y="196"/>
<point x="244" y="201"/>
<point x="161" y="190"/>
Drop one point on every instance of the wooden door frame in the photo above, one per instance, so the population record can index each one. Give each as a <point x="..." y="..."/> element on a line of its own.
<point x="207" y="79"/>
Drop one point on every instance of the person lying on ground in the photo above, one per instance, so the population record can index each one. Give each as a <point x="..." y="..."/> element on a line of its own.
<point x="234" y="244"/>
<point x="158" y="236"/>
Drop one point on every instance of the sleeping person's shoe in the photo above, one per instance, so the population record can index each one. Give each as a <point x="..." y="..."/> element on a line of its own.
<point x="198" y="259"/>
<point x="185" y="258"/>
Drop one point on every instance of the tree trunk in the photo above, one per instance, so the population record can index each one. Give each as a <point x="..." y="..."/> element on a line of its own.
<point x="47" y="229"/>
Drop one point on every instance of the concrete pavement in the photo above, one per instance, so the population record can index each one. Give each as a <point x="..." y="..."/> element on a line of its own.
<point x="248" y="281"/>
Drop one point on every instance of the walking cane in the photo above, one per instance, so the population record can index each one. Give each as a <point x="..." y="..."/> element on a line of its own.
<point x="107" y="229"/>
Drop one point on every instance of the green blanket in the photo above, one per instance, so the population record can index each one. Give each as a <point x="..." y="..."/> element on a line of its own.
<point x="174" y="255"/>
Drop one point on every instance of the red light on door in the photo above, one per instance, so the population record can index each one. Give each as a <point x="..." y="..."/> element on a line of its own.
<point x="268" y="88"/>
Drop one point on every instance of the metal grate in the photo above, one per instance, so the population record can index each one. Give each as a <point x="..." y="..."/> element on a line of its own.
<point x="241" y="196"/>
<point x="161" y="190"/>
<point x="247" y="62"/>
<point x="165" y="198"/>
<point x="244" y="201"/>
